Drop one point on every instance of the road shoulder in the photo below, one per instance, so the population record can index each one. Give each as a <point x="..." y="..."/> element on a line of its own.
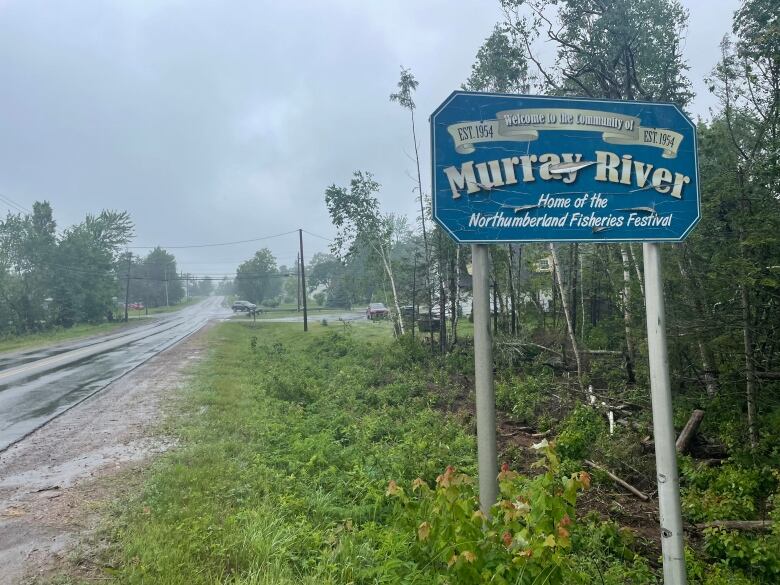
<point x="54" y="482"/>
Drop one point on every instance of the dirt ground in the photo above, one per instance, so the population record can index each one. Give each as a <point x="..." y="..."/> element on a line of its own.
<point x="54" y="483"/>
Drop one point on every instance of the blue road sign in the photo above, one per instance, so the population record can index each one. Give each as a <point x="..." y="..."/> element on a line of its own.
<point x="509" y="168"/>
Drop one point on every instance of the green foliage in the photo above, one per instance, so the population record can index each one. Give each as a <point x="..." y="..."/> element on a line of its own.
<point x="605" y="553"/>
<point x="579" y="432"/>
<point x="624" y="49"/>
<point x="526" y="538"/>
<point x="48" y="280"/>
<point x="730" y="492"/>
<point x="500" y="65"/>
<point x="257" y="280"/>
<point x="154" y="280"/>
<point x="286" y="446"/>
<point x="757" y="556"/>
<point x="734" y="492"/>
<point x="701" y="571"/>
<point x="524" y="397"/>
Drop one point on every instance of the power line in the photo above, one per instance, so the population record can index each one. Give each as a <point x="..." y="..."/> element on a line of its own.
<point x="13" y="204"/>
<point x="214" y="245"/>
<point x="317" y="236"/>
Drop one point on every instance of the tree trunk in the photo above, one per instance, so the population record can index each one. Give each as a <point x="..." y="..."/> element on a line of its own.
<point x="512" y="297"/>
<point x="582" y="299"/>
<point x="442" y="317"/>
<point x="389" y="271"/>
<point x="428" y="285"/>
<point x="684" y="440"/>
<point x="456" y="296"/>
<point x="747" y="333"/>
<point x="750" y="372"/>
<point x="639" y="277"/>
<point x="564" y="305"/>
<point x="573" y="285"/>
<point x="693" y="290"/>
<point x="627" y="314"/>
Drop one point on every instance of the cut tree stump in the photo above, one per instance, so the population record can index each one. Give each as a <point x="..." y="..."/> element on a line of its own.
<point x="684" y="440"/>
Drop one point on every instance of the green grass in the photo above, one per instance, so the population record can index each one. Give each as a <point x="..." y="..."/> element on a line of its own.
<point x="288" y="442"/>
<point x="57" y="335"/>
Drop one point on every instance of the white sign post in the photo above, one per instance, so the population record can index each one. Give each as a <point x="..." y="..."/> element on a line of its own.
<point x="483" y="379"/>
<point x="672" y="546"/>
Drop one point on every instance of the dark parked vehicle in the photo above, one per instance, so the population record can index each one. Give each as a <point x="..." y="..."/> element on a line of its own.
<point x="426" y="324"/>
<point x="246" y="306"/>
<point x="408" y="312"/>
<point x="377" y="311"/>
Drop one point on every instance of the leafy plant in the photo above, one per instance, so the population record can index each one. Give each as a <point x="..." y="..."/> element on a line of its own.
<point x="731" y="492"/>
<point x="759" y="556"/>
<point x="579" y="432"/>
<point x="526" y="539"/>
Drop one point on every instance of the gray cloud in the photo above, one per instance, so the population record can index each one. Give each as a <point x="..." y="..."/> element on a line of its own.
<point x="215" y="121"/>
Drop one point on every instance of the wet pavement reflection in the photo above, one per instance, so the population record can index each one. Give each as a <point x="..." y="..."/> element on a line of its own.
<point x="39" y="391"/>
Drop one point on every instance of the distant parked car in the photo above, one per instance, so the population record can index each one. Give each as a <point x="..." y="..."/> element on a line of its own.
<point x="377" y="311"/>
<point x="424" y="323"/>
<point x="243" y="306"/>
<point x="136" y="306"/>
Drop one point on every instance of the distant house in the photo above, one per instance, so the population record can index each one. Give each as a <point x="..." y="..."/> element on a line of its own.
<point x="544" y="264"/>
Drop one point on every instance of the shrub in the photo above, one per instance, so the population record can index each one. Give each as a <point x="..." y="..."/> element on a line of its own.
<point x="525" y="540"/>
<point x="524" y="396"/>
<point x="731" y="492"/>
<point x="580" y="431"/>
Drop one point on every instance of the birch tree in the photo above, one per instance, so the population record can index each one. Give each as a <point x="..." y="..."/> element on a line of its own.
<point x="360" y="224"/>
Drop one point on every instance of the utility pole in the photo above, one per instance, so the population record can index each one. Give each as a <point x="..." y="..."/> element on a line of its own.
<point x="303" y="283"/>
<point x="166" y="287"/>
<point x="127" y="286"/>
<point x="298" y="279"/>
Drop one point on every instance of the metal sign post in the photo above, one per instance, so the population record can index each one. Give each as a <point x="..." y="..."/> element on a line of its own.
<point x="483" y="379"/>
<point x="514" y="168"/>
<point x="672" y="546"/>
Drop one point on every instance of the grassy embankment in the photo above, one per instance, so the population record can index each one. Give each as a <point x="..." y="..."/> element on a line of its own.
<point x="288" y="445"/>
<point x="83" y="330"/>
<point x="57" y="335"/>
<point x="288" y="441"/>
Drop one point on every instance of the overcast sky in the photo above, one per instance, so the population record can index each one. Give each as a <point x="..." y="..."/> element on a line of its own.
<point x="214" y="121"/>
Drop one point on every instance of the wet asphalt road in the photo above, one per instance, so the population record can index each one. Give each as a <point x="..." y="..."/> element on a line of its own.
<point x="38" y="385"/>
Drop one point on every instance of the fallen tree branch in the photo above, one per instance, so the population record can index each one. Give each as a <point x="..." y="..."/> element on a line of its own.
<point x="737" y="524"/>
<point x="641" y="495"/>
<point x="520" y="344"/>
<point x="541" y="435"/>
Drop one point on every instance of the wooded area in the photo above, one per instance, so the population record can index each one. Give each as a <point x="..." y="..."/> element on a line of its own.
<point x="568" y="317"/>
<point x="82" y="274"/>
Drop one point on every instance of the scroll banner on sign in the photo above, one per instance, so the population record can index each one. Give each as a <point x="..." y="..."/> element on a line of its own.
<point x="524" y="126"/>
